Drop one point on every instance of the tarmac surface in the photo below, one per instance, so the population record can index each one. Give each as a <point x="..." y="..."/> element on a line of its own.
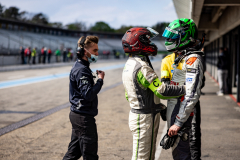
<point x="48" y="137"/>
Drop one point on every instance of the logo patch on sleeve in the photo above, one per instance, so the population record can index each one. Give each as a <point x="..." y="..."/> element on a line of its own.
<point x="189" y="80"/>
<point x="84" y="80"/>
<point x="191" y="70"/>
<point x="191" y="60"/>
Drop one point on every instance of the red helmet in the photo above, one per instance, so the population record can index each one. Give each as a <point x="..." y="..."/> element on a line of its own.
<point x="138" y="41"/>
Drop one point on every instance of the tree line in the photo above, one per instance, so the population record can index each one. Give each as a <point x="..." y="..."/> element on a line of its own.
<point x="41" y="18"/>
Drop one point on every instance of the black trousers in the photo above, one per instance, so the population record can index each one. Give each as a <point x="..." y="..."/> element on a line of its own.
<point x="195" y="134"/>
<point x="34" y="60"/>
<point x="84" y="139"/>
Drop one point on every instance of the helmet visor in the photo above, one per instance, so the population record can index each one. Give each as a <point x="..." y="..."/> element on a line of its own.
<point x="153" y="33"/>
<point x="169" y="33"/>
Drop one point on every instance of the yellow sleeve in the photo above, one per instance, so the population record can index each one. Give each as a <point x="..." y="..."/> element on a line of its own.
<point x="165" y="71"/>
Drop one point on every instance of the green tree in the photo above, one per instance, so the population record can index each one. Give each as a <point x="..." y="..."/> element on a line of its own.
<point x="101" y="27"/>
<point x="56" y="24"/>
<point x="123" y="29"/>
<point x="160" y="27"/>
<point x="40" y="18"/>
<point x="78" y="26"/>
<point x="1" y="10"/>
<point x="23" y="16"/>
<point x="11" y="12"/>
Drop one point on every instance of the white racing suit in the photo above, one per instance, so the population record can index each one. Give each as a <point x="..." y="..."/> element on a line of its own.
<point x="180" y="111"/>
<point x="143" y="90"/>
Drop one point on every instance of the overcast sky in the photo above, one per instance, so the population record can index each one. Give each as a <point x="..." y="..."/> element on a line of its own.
<point x="114" y="12"/>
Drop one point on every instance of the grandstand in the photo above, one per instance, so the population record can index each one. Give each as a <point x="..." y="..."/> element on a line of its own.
<point x="10" y="41"/>
<point x="14" y="34"/>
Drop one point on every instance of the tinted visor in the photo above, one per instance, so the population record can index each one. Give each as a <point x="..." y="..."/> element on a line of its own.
<point x="169" y="33"/>
<point x="153" y="33"/>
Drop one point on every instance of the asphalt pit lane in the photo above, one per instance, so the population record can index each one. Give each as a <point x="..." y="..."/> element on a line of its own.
<point x="206" y="155"/>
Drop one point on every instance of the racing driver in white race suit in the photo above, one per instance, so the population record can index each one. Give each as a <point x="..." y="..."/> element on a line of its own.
<point x="143" y="90"/>
<point x="181" y="37"/>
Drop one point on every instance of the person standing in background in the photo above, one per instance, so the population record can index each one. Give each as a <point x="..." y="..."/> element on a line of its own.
<point x="21" y="51"/>
<point x="104" y="54"/>
<point x="49" y="52"/>
<point x="64" y="55"/>
<point x="117" y="54"/>
<point x="44" y="54"/>
<point x="222" y="65"/>
<point x="114" y="53"/>
<point x="68" y="55"/>
<point x="34" y="53"/>
<point x="28" y="54"/>
<point x="57" y="53"/>
<point x="71" y="55"/>
<point x="40" y="58"/>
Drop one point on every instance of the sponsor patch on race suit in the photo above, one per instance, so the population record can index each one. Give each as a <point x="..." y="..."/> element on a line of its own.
<point x="191" y="60"/>
<point x="191" y="73"/>
<point x="191" y="70"/>
<point x="189" y="80"/>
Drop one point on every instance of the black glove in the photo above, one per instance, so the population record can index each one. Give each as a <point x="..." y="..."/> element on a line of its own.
<point x="168" y="142"/>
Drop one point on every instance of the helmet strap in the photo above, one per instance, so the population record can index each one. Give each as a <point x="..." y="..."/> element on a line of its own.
<point x="179" y="40"/>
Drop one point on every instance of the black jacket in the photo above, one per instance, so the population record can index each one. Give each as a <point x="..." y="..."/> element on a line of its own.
<point x="82" y="90"/>
<point x="222" y="62"/>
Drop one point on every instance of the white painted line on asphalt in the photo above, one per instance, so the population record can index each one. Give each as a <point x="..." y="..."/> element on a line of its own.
<point x="159" y="148"/>
<point x="26" y="83"/>
<point x="30" y="80"/>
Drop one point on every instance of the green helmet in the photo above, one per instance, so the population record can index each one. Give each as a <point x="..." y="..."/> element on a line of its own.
<point x="180" y="34"/>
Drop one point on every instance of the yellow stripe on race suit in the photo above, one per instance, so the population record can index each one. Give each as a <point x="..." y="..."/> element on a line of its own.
<point x="165" y="74"/>
<point x="155" y="84"/>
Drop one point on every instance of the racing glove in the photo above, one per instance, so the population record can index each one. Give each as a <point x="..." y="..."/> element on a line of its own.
<point x="168" y="141"/>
